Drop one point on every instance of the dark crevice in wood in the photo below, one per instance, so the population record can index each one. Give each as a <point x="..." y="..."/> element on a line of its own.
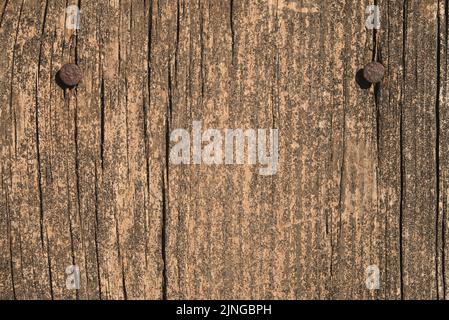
<point x="164" y="237"/>
<point x="77" y="176"/>
<point x="377" y="98"/>
<point x="122" y="74"/>
<point x="69" y="45"/>
<point x="77" y="158"/>
<point x="125" y="293"/>
<point x="22" y="273"/>
<point x="444" y="217"/>
<point x="178" y="30"/>
<point x="96" y="231"/>
<point x="375" y="40"/>
<point x="166" y="188"/>
<point x="69" y="216"/>
<point x="341" y="190"/>
<point x="67" y="182"/>
<point x="440" y="67"/>
<point x="437" y="154"/>
<point x="377" y="87"/>
<point x="119" y="255"/>
<point x="50" y="274"/>
<point x="164" y="226"/>
<point x="128" y="169"/>
<point x="38" y="152"/>
<point x="10" y="241"/>
<point x="170" y="96"/>
<point x="145" y="108"/>
<point x="13" y="60"/>
<point x="147" y="171"/>
<point x="76" y="38"/>
<point x="3" y="12"/>
<point x="275" y="91"/>
<point x="401" y="146"/>
<point x="202" y="54"/>
<point x="232" y="25"/>
<point x="37" y="133"/>
<point x="102" y="121"/>
<point x="77" y="181"/>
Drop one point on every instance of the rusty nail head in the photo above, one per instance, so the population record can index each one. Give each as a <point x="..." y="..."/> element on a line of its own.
<point x="374" y="72"/>
<point x="70" y="74"/>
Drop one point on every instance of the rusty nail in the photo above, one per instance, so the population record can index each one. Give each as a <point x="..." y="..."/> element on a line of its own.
<point x="374" y="72"/>
<point x="70" y="75"/>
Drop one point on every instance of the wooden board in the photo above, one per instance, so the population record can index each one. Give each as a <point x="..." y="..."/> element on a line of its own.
<point x="86" y="177"/>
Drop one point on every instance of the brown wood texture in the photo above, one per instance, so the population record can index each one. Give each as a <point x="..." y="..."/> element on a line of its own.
<point x="85" y="176"/>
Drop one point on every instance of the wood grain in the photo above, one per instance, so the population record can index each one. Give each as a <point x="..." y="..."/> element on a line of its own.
<point x="86" y="179"/>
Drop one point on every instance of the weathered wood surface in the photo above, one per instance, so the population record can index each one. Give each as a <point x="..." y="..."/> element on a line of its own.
<point x="363" y="175"/>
